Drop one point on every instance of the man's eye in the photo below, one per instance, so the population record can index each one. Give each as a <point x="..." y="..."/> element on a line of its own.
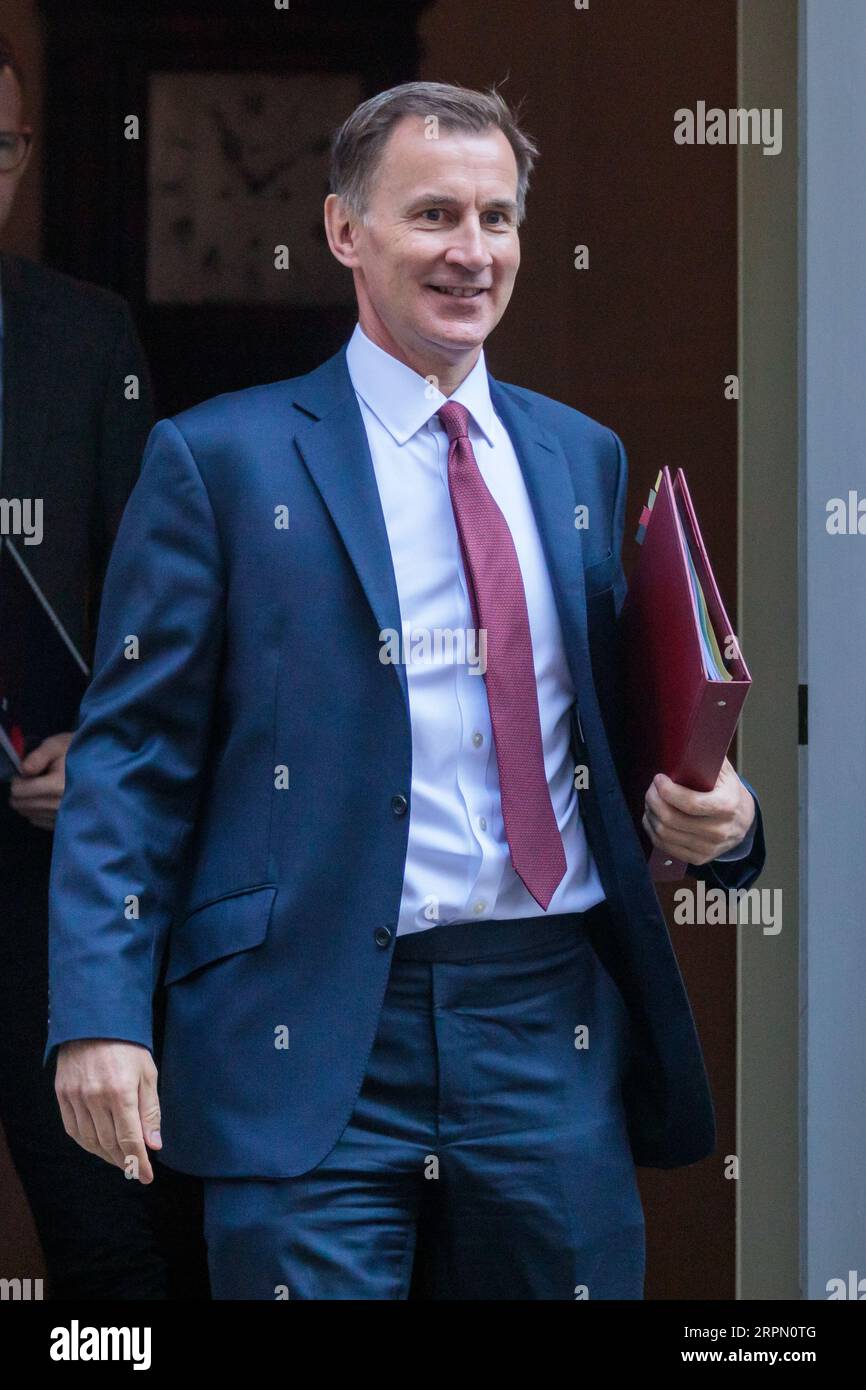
<point x="434" y="212"/>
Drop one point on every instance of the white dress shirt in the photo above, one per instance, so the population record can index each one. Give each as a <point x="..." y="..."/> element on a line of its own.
<point x="458" y="863"/>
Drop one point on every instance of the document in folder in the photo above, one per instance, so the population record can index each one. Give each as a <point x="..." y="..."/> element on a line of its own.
<point x="42" y="674"/>
<point x="686" y="680"/>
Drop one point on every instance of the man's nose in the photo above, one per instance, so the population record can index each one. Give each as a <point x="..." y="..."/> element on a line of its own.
<point x="468" y="247"/>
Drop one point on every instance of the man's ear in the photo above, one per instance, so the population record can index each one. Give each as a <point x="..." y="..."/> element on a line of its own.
<point x="339" y="229"/>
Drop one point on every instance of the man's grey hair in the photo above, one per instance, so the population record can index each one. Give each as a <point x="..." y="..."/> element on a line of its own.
<point x="357" y="147"/>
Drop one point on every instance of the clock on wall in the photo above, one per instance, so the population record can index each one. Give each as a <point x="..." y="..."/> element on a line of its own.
<point x="238" y="166"/>
<point x="235" y="107"/>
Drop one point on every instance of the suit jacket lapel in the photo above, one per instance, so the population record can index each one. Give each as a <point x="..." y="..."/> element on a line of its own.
<point x="550" y="486"/>
<point x="335" y="449"/>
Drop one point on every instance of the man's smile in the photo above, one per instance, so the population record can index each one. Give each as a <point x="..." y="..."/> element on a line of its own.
<point x="459" y="291"/>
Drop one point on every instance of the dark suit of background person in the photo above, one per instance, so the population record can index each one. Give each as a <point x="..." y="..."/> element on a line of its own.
<point x="71" y="438"/>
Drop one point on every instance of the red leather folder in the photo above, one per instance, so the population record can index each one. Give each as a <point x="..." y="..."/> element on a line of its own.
<point x="681" y="720"/>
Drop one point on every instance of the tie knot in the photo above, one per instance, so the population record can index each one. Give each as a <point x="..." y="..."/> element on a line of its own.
<point x="455" y="419"/>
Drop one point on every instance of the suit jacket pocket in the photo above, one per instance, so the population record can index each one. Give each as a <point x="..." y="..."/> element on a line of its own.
<point x="600" y="576"/>
<point x="234" y="922"/>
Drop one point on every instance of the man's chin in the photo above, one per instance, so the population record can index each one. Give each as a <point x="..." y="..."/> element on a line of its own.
<point x="454" y="339"/>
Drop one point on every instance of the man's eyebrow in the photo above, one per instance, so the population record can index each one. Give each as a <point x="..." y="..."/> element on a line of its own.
<point x="446" y="200"/>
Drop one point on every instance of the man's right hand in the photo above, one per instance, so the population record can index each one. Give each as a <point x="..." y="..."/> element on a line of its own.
<point x="108" y="1099"/>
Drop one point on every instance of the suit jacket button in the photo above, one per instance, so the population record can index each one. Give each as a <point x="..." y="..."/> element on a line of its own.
<point x="382" y="936"/>
<point x="399" y="804"/>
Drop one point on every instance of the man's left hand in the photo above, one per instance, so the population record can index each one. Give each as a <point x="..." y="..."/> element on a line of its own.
<point x="36" y="795"/>
<point x="698" y="826"/>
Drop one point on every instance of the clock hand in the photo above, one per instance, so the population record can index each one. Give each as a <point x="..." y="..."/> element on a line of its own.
<point x="275" y="169"/>
<point x="231" y="144"/>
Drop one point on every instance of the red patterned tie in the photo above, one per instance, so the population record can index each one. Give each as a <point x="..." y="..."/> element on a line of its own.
<point x="499" y="607"/>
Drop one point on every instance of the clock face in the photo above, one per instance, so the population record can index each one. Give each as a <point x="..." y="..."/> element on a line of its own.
<point x="238" y="166"/>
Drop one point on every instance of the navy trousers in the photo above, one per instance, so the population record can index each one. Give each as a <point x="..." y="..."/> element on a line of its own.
<point x="486" y="1156"/>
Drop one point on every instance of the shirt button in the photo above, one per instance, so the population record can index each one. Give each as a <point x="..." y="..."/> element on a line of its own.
<point x="479" y="907"/>
<point x="382" y="936"/>
<point x="482" y="822"/>
<point x="477" y="739"/>
<point x="399" y="805"/>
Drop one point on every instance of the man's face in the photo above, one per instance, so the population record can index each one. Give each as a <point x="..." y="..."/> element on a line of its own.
<point x="442" y="215"/>
<point x="10" y="121"/>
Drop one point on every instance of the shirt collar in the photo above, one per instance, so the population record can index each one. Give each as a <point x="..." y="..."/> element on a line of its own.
<point x="402" y="400"/>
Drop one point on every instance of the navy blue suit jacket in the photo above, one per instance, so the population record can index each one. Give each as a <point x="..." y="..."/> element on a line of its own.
<point x="268" y="911"/>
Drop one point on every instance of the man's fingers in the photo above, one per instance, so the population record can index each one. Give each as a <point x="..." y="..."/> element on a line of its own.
<point x="67" y="1112"/>
<point x="97" y="1086"/>
<point x="38" y="759"/>
<point x="86" y="1136"/>
<point x="102" y="1112"/>
<point x="130" y="1141"/>
<point x="38" y="789"/>
<point x="712" y="823"/>
<point x="665" y="817"/>
<point x="85" y="1130"/>
<point x="148" y="1110"/>
<point x="114" y="1137"/>
<point x="683" y="799"/>
<point x="690" y="849"/>
<point x="34" y="806"/>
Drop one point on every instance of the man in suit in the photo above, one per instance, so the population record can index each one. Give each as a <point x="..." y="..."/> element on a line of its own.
<point x="76" y="411"/>
<point x="352" y="646"/>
